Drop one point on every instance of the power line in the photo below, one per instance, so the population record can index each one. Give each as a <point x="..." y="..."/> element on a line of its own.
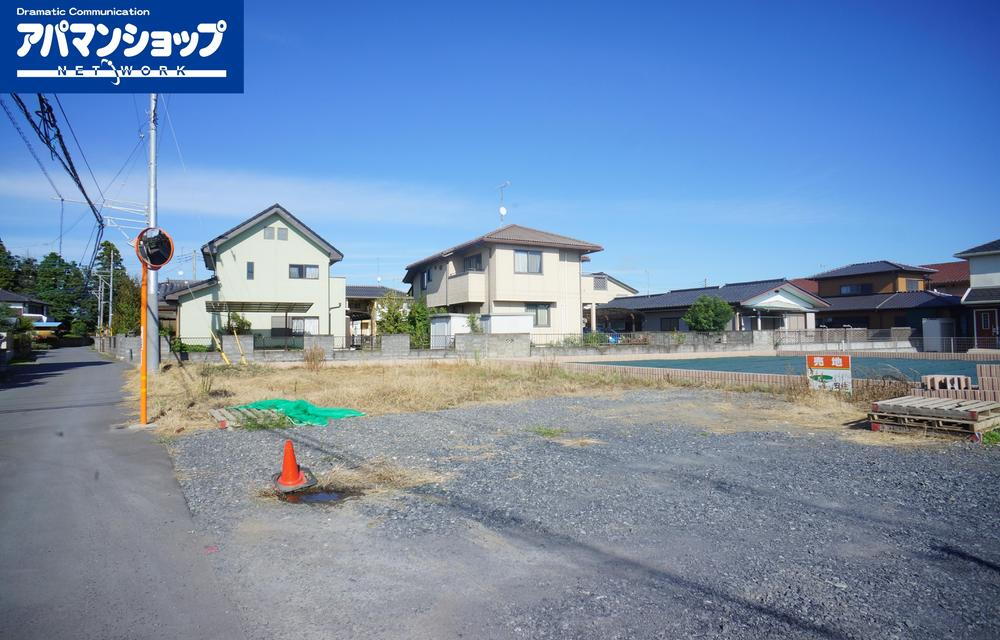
<point x="30" y="148"/>
<point x="78" y="146"/>
<point x="173" y="134"/>
<point x="47" y="130"/>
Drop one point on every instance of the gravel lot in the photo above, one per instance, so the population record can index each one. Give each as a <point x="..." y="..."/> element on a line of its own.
<point x="663" y="530"/>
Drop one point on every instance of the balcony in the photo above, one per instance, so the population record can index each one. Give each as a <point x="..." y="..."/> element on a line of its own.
<point x="466" y="287"/>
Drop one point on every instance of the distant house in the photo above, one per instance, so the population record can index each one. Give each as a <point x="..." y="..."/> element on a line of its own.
<point x="516" y="278"/>
<point x="983" y="295"/>
<point x="35" y="310"/>
<point x="760" y="304"/>
<point x="274" y="271"/>
<point x="949" y="277"/>
<point x="600" y="288"/>
<point x="881" y="295"/>
<point x="363" y="310"/>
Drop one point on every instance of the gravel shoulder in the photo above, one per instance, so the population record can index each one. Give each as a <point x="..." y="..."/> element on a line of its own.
<point x="672" y="522"/>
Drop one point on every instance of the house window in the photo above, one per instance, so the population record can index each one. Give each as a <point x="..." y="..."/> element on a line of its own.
<point x="670" y="324"/>
<point x="527" y="261"/>
<point x="269" y="233"/>
<point x="855" y="289"/>
<point x="249" y="271"/>
<point x="600" y="283"/>
<point x="303" y="271"/>
<point x="282" y="233"/>
<point x="473" y="262"/>
<point x="541" y="313"/>
<point x="426" y="279"/>
<point x="912" y="284"/>
<point x="305" y="325"/>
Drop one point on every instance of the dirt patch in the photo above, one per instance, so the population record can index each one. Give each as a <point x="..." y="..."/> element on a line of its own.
<point x="373" y="477"/>
<point x="577" y="442"/>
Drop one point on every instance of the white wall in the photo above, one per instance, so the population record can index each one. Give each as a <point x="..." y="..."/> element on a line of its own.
<point x="984" y="271"/>
<point x="270" y="283"/>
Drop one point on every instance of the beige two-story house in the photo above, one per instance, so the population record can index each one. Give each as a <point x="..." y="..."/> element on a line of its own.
<point x="274" y="271"/>
<point x="514" y="271"/>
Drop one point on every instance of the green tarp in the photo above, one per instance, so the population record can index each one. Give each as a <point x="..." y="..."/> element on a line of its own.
<point x="302" y="412"/>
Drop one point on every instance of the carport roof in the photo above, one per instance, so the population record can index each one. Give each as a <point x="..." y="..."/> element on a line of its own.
<point x="219" y="306"/>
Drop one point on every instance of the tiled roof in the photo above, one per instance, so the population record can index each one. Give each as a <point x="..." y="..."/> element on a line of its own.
<point x="806" y="284"/>
<point x="187" y="287"/>
<point x="369" y="291"/>
<point x="10" y="296"/>
<point x="513" y="234"/>
<point x="893" y="301"/>
<point x="949" y="273"/>
<point x="981" y="295"/>
<point x="862" y="268"/>
<point x="166" y="287"/>
<point x="733" y="293"/>
<point x="989" y="247"/>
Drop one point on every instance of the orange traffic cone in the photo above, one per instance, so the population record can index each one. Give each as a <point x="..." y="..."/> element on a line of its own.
<point x="292" y="476"/>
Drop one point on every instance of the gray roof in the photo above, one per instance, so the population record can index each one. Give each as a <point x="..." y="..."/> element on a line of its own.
<point x="981" y="295"/>
<point x="862" y="268"/>
<point x="989" y="247"/>
<point x="189" y="287"/>
<point x="369" y="291"/>
<point x="167" y="287"/>
<point x="733" y="293"/>
<point x="10" y="296"/>
<point x="893" y="301"/>
<point x="511" y="234"/>
<point x="208" y="250"/>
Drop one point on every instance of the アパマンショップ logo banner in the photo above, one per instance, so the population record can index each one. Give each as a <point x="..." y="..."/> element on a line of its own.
<point x="174" y="46"/>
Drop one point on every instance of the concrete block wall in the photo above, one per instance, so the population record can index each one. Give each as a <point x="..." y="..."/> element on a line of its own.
<point x="396" y="345"/>
<point x="493" y="345"/>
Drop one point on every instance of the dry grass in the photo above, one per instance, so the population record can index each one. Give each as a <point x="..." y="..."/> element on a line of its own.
<point x="181" y="397"/>
<point x="372" y="477"/>
<point x="577" y="442"/>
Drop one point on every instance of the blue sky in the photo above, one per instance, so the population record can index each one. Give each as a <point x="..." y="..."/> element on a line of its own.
<point x="724" y="141"/>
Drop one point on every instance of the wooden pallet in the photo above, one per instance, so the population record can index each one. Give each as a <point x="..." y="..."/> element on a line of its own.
<point x="229" y="418"/>
<point x="946" y="416"/>
<point x="950" y="408"/>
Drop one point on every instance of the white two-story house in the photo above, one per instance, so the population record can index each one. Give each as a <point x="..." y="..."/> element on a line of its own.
<point x="514" y="276"/>
<point x="983" y="296"/>
<point x="274" y="271"/>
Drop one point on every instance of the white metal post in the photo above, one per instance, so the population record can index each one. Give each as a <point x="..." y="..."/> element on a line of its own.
<point x="111" y="299"/>
<point x="152" y="301"/>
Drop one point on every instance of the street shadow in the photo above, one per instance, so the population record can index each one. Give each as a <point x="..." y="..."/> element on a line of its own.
<point x="26" y="375"/>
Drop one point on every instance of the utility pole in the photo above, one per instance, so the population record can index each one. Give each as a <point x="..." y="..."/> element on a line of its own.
<point x="111" y="299"/>
<point x="152" y="301"/>
<point x="100" y="304"/>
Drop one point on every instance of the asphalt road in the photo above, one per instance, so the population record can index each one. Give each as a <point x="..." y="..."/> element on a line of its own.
<point x="96" y="540"/>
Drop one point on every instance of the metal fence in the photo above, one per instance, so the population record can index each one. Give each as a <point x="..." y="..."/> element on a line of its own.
<point x="593" y="339"/>
<point x="902" y="339"/>
<point x="263" y="342"/>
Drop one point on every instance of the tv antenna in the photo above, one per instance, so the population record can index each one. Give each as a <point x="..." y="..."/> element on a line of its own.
<point x="503" y="209"/>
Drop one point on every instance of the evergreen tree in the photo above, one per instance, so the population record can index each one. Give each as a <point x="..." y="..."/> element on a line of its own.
<point x="391" y="317"/>
<point x="708" y="313"/>
<point x="25" y="275"/>
<point x="60" y="285"/>
<point x="128" y="302"/>
<point x="8" y="269"/>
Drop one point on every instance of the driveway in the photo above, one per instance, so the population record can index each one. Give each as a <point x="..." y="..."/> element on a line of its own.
<point x="96" y="540"/>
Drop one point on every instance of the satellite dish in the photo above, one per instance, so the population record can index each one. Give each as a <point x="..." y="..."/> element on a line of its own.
<point x="503" y="211"/>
